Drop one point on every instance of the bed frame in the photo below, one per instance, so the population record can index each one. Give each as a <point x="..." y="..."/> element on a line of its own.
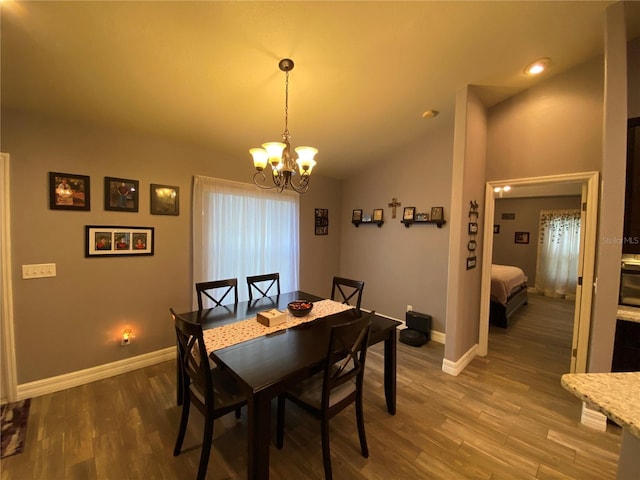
<point x="500" y="314"/>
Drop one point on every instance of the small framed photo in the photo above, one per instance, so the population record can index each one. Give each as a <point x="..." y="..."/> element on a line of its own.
<point x="473" y="228"/>
<point x="165" y="200"/>
<point x="437" y="213"/>
<point x="356" y="216"/>
<point x="68" y="191"/>
<point x="118" y="241"/>
<point x="521" y="237"/>
<point x="322" y="221"/>
<point x="377" y="215"/>
<point x="120" y="194"/>
<point x="409" y="214"/>
<point x="496" y="229"/>
<point x="471" y="263"/>
<point x="366" y="217"/>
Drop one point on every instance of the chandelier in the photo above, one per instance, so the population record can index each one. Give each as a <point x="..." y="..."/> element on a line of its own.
<point x="278" y="154"/>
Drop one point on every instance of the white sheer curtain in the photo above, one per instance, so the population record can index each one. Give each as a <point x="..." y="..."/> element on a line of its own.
<point x="558" y="249"/>
<point x="240" y="230"/>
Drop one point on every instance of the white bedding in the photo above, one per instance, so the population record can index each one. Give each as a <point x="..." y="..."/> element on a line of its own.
<point x="504" y="280"/>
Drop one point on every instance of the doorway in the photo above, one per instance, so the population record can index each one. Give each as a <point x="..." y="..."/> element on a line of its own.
<point x="586" y="258"/>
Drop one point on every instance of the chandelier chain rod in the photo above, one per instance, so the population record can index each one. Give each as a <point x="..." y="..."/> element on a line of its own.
<point x="286" y="105"/>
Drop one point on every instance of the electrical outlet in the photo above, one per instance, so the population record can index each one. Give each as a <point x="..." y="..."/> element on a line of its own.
<point x="125" y="341"/>
<point x="409" y="308"/>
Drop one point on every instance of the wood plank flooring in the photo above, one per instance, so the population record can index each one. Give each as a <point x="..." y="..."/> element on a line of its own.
<point x="504" y="417"/>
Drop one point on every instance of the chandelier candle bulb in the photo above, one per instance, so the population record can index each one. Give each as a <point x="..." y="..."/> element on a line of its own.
<point x="259" y="158"/>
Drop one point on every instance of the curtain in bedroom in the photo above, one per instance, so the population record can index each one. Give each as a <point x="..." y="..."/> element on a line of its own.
<point x="558" y="249"/>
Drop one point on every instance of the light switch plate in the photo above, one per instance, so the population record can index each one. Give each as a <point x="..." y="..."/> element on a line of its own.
<point x="39" y="270"/>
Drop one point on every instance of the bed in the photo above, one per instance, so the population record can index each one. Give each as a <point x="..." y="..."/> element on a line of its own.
<point x="508" y="293"/>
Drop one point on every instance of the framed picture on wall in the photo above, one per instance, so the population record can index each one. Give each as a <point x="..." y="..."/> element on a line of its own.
<point x="521" y="237"/>
<point x="103" y="240"/>
<point x="165" y="200"/>
<point x="69" y="191"/>
<point x="356" y="216"/>
<point x="120" y="194"/>
<point x="437" y="213"/>
<point x="409" y="214"/>
<point x="322" y="221"/>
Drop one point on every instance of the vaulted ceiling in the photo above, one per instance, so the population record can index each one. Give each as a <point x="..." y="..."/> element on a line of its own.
<point x="207" y="72"/>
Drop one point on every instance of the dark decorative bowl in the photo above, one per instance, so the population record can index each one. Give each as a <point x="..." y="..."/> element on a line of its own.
<point x="300" y="308"/>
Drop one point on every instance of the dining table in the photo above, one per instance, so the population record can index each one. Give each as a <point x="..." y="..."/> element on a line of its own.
<point x="268" y="365"/>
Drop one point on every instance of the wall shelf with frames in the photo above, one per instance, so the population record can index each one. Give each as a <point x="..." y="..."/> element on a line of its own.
<point x="358" y="218"/>
<point x="410" y="217"/>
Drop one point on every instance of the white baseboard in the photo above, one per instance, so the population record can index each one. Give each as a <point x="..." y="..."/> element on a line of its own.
<point x="593" y="418"/>
<point x="455" y="368"/>
<point x="82" y="377"/>
<point x="438" y="337"/>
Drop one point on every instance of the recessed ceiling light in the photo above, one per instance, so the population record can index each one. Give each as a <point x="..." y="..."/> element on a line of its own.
<point x="430" y="114"/>
<point x="537" y="67"/>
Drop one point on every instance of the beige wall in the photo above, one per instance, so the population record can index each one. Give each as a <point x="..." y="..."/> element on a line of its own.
<point x="527" y="211"/>
<point x="469" y="157"/>
<point x="73" y="321"/>
<point x="550" y="129"/>
<point x="401" y="266"/>
<point x="320" y="254"/>
<point x="633" y="71"/>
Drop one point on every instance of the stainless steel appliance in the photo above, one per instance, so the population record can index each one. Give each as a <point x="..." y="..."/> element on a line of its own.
<point x="630" y="283"/>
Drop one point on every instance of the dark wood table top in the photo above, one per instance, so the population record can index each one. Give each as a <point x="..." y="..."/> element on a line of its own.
<point x="287" y="355"/>
<point x="216" y="317"/>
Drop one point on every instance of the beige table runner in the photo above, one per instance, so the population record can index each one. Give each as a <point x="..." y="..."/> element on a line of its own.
<point x="227" y="335"/>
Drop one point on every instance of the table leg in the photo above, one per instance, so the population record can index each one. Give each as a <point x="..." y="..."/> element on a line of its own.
<point x="390" y="348"/>
<point x="259" y="426"/>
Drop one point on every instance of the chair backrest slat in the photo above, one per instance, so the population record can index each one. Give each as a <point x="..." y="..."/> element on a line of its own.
<point x="346" y="356"/>
<point x="255" y="282"/>
<point x="347" y="289"/>
<point x="207" y="289"/>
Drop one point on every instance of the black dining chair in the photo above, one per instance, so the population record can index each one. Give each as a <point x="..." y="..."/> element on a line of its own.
<point x="263" y="284"/>
<point x="347" y="289"/>
<point x="336" y="387"/>
<point x="217" y="291"/>
<point x="211" y="390"/>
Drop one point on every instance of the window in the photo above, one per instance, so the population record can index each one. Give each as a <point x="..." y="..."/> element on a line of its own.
<point x="558" y="251"/>
<point x="239" y="230"/>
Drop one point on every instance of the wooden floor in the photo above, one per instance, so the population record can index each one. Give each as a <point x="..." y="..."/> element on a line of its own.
<point x="504" y="417"/>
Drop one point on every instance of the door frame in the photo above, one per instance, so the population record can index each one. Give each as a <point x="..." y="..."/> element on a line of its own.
<point x="582" y="318"/>
<point x="9" y="374"/>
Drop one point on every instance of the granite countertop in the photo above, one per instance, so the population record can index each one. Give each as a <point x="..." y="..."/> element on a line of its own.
<point x="631" y="314"/>
<point x="617" y="395"/>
